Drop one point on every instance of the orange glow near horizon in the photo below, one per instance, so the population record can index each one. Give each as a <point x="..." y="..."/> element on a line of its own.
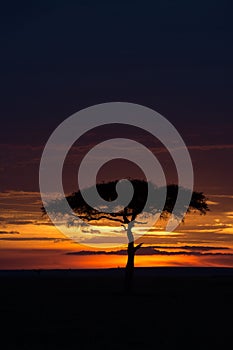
<point x="27" y="241"/>
<point x="55" y="259"/>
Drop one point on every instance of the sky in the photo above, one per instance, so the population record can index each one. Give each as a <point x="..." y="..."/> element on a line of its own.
<point x="58" y="57"/>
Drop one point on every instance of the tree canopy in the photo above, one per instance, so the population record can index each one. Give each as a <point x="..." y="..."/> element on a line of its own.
<point x="107" y="191"/>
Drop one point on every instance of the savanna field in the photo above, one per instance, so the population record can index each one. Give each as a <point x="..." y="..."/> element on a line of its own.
<point x="84" y="309"/>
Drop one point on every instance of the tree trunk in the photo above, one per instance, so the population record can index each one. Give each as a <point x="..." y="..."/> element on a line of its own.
<point x="129" y="269"/>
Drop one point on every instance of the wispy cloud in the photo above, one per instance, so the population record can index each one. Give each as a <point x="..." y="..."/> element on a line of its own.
<point x="201" y="148"/>
<point x="25" y="239"/>
<point x="215" y="226"/>
<point x="190" y="247"/>
<point x="230" y="196"/>
<point x="161" y="250"/>
<point x="15" y="147"/>
<point x="19" y="194"/>
<point x="19" y="222"/>
<point x="9" y="233"/>
<point x="91" y="231"/>
<point x="210" y="147"/>
<point x="212" y="202"/>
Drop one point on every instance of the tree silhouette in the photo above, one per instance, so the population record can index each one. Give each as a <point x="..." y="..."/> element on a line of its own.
<point x="127" y="217"/>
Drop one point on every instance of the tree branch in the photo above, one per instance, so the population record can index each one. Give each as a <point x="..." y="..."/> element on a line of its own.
<point x="140" y="222"/>
<point x="125" y="214"/>
<point x="138" y="246"/>
<point x="100" y="217"/>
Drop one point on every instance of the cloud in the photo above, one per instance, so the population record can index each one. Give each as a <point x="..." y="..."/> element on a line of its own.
<point x="43" y="223"/>
<point x="230" y="196"/>
<point x="196" y="148"/>
<point x="26" y="222"/>
<point x="210" y="147"/>
<point x="25" y="239"/>
<point x="91" y="231"/>
<point x="15" y="221"/>
<point x="18" y="194"/>
<point x="153" y="250"/>
<point x="229" y="214"/>
<point x="9" y="233"/>
<point x="191" y="247"/>
<point x="212" y="202"/>
<point x="216" y="226"/>
<point x="26" y="147"/>
<point x="19" y="222"/>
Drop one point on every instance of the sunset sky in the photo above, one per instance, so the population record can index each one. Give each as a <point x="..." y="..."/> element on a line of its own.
<point x="58" y="57"/>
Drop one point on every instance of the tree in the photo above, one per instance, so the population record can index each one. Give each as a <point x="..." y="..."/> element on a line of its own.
<point x="127" y="216"/>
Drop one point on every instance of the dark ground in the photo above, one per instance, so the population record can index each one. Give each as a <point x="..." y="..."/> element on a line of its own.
<point x="87" y="309"/>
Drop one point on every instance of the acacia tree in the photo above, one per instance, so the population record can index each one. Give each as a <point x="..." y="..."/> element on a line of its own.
<point x="127" y="217"/>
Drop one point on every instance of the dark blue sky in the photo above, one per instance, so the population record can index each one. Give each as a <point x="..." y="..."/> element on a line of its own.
<point x="60" y="56"/>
